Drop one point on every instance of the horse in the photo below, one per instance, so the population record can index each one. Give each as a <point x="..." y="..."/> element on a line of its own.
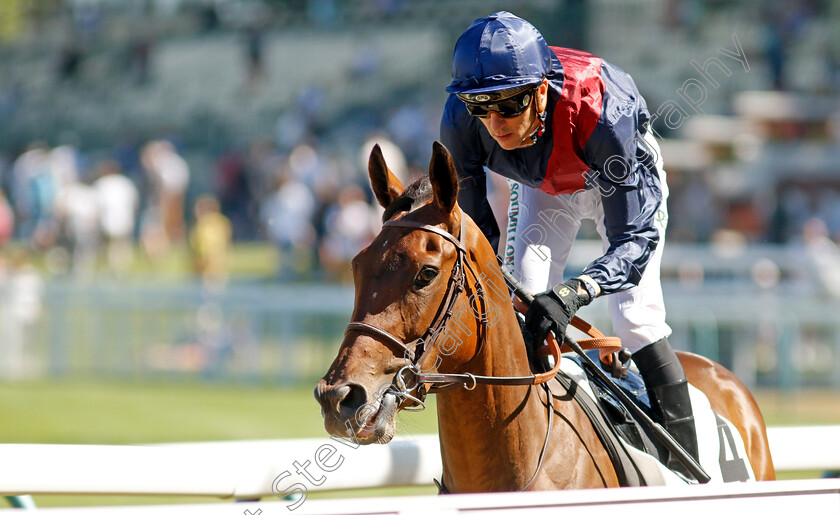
<point x="429" y="297"/>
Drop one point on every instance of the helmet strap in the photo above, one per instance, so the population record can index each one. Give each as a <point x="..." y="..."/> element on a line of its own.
<point x="541" y="128"/>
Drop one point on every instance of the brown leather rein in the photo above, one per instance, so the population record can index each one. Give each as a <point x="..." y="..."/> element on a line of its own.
<point x="457" y="283"/>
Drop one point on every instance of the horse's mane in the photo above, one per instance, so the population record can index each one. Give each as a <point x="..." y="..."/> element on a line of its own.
<point x="415" y="195"/>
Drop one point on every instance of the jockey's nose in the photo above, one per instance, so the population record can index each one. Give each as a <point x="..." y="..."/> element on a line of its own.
<point x="496" y="120"/>
<point x="344" y="398"/>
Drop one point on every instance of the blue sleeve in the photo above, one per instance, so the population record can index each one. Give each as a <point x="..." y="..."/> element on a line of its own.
<point x="624" y="171"/>
<point x="459" y="134"/>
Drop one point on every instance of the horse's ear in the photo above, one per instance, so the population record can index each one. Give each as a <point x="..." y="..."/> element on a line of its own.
<point x="444" y="178"/>
<point x="385" y="184"/>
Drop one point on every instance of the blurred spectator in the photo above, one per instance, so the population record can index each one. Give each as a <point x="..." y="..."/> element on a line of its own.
<point x="64" y="165"/>
<point x="118" y="201"/>
<point x="413" y="131"/>
<point x="210" y="239"/>
<point x="366" y="62"/>
<point x="208" y="18"/>
<point x="140" y="50"/>
<point x="254" y="54"/>
<point x="349" y="227"/>
<point x="390" y="151"/>
<point x="70" y="59"/>
<point x="290" y="129"/>
<point x="233" y="190"/>
<point x="784" y="23"/>
<point x="824" y="254"/>
<point x="78" y="215"/>
<point x="310" y="103"/>
<point x="828" y="210"/>
<point x="287" y="216"/>
<point x="33" y="196"/>
<point x="261" y="166"/>
<point x="306" y="164"/>
<point x="7" y="220"/>
<point x="20" y="307"/>
<point x="169" y="175"/>
<point x="793" y="208"/>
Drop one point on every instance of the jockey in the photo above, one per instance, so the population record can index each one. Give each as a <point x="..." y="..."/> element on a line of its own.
<point x="571" y="133"/>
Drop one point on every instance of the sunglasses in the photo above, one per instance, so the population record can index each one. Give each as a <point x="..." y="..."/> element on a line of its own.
<point x="507" y="108"/>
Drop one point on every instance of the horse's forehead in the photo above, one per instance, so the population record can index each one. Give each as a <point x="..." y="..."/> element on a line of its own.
<point x="395" y="246"/>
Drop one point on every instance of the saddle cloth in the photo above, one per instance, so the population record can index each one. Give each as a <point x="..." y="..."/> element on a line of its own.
<point x="633" y="449"/>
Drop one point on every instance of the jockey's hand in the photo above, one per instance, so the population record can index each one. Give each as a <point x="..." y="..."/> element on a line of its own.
<point x="553" y="310"/>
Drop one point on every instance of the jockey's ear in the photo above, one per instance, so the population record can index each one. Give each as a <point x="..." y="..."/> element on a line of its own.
<point x="384" y="183"/>
<point x="444" y="178"/>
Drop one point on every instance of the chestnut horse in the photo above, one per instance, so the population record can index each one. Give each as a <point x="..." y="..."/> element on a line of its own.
<point x="492" y="436"/>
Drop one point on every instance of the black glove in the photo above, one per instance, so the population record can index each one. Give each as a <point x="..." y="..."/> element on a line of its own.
<point x="553" y="310"/>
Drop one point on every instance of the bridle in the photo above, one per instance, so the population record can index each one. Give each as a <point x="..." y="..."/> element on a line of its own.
<point x="456" y="285"/>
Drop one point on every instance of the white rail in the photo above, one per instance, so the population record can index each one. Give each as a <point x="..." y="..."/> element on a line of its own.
<point x="804" y="496"/>
<point x="260" y="468"/>
<point x="805" y="448"/>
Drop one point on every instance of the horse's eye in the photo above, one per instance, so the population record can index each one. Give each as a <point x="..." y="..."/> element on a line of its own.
<point x="426" y="275"/>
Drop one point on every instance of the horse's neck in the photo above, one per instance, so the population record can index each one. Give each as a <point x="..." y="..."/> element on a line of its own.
<point x="483" y="431"/>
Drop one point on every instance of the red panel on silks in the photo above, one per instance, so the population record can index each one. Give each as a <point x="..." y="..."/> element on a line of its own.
<point x="575" y="117"/>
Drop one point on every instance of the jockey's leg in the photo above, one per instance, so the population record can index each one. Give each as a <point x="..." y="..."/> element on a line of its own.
<point x="668" y="391"/>
<point x="638" y="317"/>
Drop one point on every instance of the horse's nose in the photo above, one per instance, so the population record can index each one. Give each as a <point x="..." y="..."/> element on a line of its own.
<point x="342" y="398"/>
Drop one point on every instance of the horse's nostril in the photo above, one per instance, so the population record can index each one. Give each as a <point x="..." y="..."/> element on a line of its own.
<point x="353" y="397"/>
<point x="337" y="395"/>
<point x="345" y="398"/>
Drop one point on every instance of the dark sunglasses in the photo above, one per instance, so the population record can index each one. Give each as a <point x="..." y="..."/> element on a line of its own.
<point x="507" y="108"/>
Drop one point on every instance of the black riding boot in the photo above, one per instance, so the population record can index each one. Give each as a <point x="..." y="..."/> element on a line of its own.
<point x="667" y="388"/>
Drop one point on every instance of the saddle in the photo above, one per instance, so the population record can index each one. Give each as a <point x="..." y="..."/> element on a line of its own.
<point x="634" y="451"/>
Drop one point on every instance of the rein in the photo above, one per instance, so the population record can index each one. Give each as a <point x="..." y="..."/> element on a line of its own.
<point x="457" y="282"/>
<point x="456" y="285"/>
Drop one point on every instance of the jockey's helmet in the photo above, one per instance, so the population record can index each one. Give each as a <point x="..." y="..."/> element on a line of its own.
<point x="497" y="53"/>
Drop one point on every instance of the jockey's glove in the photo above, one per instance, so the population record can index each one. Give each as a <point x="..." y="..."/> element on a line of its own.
<point x="553" y="310"/>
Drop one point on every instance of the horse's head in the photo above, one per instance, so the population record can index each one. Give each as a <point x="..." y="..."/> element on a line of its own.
<point x="410" y="283"/>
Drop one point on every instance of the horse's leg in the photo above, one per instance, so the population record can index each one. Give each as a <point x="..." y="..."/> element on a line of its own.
<point x="733" y="401"/>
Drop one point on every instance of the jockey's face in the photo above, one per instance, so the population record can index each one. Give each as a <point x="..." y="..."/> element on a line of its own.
<point x="515" y="132"/>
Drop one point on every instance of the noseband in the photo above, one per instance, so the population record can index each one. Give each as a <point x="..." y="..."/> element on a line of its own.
<point x="456" y="285"/>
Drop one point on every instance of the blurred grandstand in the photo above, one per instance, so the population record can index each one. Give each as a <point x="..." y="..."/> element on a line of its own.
<point x="270" y="107"/>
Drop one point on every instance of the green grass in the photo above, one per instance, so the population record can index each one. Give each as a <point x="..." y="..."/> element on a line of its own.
<point x="133" y="413"/>
<point x="247" y="260"/>
<point x="129" y="413"/>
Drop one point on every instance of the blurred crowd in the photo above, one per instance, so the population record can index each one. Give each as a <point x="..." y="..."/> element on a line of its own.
<point x="90" y="215"/>
<point x="303" y="189"/>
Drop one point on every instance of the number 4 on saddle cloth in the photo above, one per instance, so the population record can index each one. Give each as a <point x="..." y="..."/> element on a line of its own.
<point x="632" y="448"/>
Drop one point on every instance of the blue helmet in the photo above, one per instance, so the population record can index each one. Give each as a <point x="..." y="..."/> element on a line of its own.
<point x="499" y="52"/>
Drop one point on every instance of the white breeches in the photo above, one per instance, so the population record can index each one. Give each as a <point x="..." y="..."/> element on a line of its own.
<point x="541" y="231"/>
